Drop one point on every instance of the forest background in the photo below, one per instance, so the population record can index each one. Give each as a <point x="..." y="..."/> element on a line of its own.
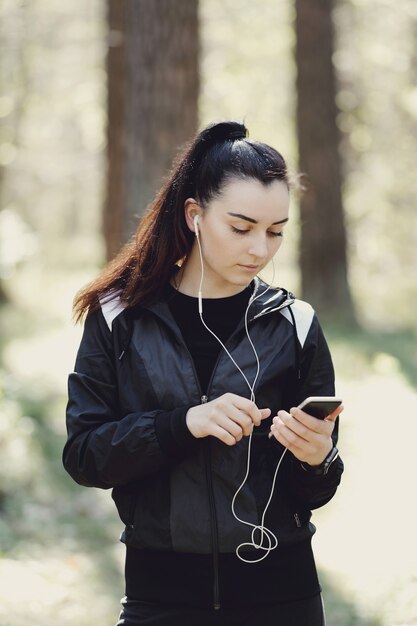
<point x="59" y="553"/>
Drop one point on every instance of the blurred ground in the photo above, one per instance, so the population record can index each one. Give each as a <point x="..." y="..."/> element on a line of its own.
<point x="61" y="561"/>
<point x="365" y="542"/>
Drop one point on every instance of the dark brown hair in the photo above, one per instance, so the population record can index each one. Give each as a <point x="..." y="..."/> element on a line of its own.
<point x="219" y="153"/>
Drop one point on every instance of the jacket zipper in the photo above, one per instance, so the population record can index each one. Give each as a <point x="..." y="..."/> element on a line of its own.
<point x="209" y="482"/>
<point x="297" y="520"/>
<point x="208" y="468"/>
<point x="213" y="515"/>
<point x="210" y="490"/>
<point x="212" y="503"/>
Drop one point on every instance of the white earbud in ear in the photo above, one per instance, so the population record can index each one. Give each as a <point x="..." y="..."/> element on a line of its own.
<point x="196" y="218"/>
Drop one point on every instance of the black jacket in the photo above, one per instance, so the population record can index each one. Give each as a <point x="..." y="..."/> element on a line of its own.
<point x="133" y="382"/>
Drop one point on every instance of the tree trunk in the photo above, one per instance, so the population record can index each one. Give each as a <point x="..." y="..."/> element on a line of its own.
<point x="323" y="257"/>
<point x="153" y="86"/>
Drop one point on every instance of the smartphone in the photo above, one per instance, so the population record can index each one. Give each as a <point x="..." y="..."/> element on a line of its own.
<point x="320" y="406"/>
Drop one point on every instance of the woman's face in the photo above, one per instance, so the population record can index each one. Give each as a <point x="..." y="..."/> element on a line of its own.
<point x="240" y="231"/>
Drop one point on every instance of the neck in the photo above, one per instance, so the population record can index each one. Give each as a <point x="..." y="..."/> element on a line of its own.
<point x="187" y="281"/>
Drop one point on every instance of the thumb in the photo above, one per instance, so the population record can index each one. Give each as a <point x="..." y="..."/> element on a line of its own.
<point x="332" y="417"/>
<point x="265" y="413"/>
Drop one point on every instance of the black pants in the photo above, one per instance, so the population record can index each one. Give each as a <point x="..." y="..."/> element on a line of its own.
<point x="307" y="612"/>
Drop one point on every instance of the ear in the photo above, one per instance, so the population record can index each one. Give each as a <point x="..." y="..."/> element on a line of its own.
<point x="191" y="209"/>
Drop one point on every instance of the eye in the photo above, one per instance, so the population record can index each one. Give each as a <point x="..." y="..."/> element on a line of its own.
<point x="272" y="234"/>
<point x="239" y="231"/>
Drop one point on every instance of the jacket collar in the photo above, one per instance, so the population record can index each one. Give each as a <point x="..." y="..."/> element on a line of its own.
<point x="264" y="299"/>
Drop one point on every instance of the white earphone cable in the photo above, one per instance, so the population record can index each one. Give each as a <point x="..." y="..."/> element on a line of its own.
<point x="265" y="534"/>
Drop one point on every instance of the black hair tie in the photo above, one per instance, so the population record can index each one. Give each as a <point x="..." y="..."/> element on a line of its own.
<point x="238" y="134"/>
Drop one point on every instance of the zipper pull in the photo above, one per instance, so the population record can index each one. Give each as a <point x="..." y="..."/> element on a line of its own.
<point x="204" y="399"/>
<point x="297" y="520"/>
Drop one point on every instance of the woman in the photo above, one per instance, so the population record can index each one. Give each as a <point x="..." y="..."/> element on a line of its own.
<point x="184" y="393"/>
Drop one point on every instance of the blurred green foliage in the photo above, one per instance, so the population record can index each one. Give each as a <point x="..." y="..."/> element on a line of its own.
<point x="53" y="115"/>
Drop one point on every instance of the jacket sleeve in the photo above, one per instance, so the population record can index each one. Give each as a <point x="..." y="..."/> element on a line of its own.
<point x="104" y="448"/>
<point x="317" y="379"/>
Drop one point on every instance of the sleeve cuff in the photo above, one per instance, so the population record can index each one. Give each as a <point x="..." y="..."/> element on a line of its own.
<point x="172" y="432"/>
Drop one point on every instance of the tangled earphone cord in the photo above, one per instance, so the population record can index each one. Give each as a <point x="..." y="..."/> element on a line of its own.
<point x="265" y="533"/>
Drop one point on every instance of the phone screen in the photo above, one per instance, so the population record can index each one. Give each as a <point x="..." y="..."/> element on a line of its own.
<point x="320" y="407"/>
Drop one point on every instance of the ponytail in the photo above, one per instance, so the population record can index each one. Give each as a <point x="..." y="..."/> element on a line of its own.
<point x="140" y="271"/>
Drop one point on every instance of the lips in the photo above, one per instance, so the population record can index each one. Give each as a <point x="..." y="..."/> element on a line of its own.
<point x="251" y="268"/>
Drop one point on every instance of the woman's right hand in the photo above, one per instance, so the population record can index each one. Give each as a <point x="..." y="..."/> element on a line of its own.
<point x="229" y="418"/>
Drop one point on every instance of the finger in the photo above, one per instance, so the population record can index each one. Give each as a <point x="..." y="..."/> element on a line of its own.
<point x="332" y="417"/>
<point x="287" y="420"/>
<point x="223" y="435"/>
<point x="277" y="432"/>
<point x="232" y="426"/>
<point x="248" y="407"/>
<point x="265" y="413"/>
<point x="313" y="423"/>
<point x="290" y="440"/>
<point x="257" y="415"/>
<point x="273" y="432"/>
<point x="241" y="418"/>
<point x="276" y="424"/>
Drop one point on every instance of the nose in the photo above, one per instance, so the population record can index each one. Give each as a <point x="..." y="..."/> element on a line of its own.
<point x="259" y="247"/>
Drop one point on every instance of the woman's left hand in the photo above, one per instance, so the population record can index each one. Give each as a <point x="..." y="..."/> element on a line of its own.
<point x="308" y="438"/>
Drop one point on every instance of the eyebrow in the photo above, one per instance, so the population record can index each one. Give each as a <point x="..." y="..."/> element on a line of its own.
<point x="252" y="221"/>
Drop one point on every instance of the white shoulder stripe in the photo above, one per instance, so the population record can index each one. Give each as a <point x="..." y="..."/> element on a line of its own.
<point x="303" y="314"/>
<point x="111" y="306"/>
